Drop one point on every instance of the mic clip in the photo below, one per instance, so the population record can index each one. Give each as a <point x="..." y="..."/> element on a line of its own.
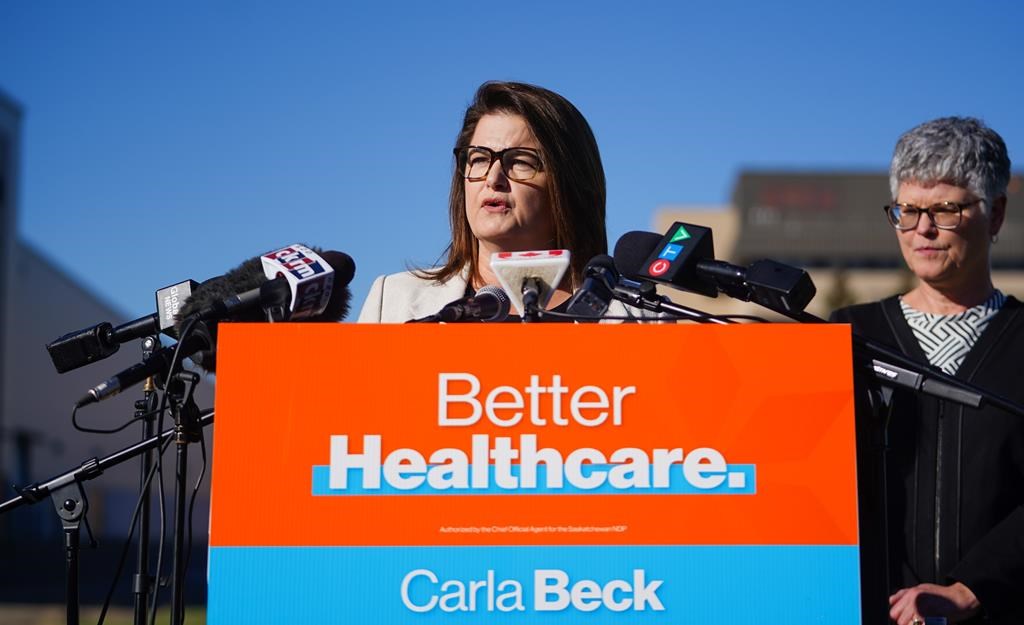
<point x="635" y="293"/>
<point x="531" y="290"/>
<point x="275" y="313"/>
<point x="181" y="388"/>
<point x="276" y="296"/>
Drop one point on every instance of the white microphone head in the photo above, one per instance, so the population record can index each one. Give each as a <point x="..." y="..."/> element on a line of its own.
<point x="310" y="278"/>
<point x="514" y="268"/>
<point x="503" y="301"/>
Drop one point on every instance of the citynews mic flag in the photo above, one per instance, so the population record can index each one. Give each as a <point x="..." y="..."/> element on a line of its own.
<point x="310" y="279"/>
<point x="712" y="481"/>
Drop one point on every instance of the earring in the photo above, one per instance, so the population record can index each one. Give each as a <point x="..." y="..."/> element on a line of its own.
<point x="995" y="238"/>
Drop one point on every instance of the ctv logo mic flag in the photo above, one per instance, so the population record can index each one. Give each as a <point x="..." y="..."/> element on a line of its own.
<point x="391" y="473"/>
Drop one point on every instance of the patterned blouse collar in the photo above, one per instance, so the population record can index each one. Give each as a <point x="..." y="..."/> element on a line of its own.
<point x="946" y="339"/>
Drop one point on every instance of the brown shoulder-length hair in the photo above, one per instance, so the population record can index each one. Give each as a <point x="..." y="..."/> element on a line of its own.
<point x="576" y="177"/>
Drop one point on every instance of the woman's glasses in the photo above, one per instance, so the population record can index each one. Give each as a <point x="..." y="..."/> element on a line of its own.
<point x="519" y="164"/>
<point x="945" y="215"/>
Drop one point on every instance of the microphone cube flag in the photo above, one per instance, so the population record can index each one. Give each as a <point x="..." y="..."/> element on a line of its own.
<point x="169" y="301"/>
<point x="514" y="268"/>
<point x="674" y="260"/>
<point x="310" y="278"/>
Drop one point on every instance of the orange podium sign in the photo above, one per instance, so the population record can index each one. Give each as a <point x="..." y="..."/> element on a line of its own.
<point x="509" y="473"/>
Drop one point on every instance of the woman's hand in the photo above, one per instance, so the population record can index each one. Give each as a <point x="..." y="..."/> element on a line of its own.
<point x="956" y="602"/>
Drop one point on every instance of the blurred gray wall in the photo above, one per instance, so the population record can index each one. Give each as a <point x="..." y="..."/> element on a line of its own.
<point x="40" y="301"/>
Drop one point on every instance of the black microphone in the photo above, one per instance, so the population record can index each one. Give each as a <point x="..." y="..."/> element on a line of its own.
<point x="603" y="283"/>
<point x="533" y="286"/>
<point x="489" y="304"/>
<point x="79" y="348"/>
<point x="693" y="272"/>
<point x="669" y="259"/>
<point x="649" y="256"/>
<point x="219" y="299"/>
<point x="82" y="347"/>
<point x="600" y="279"/>
<point x="157" y="363"/>
<point x="771" y="284"/>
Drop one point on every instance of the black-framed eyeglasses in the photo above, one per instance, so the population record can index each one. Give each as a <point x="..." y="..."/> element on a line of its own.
<point x="945" y="215"/>
<point x="519" y="164"/>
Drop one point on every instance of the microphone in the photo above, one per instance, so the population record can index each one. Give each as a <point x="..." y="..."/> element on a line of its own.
<point x="603" y="283"/>
<point x="670" y="259"/>
<point x="292" y="283"/>
<point x="530" y="278"/>
<point x="592" y="299"/>
<point x="692" y="267"/>
<point x="242" y="294"/>
<point x="246" y="294"/>
<point x="771" y="284"/>
<point x="634" y="249"/>
<point x="489" y="304"/>
<point x="157" y="363"/>
<point x="82" y="347"/>
<point x="310" y="277"/>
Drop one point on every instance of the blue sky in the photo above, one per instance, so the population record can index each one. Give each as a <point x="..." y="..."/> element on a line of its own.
<point x="164" y="142"/>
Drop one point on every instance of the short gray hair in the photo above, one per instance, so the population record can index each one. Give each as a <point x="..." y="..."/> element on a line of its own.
<point x="961" y="151"/>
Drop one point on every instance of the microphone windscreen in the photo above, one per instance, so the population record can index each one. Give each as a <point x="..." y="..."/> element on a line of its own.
<point x="250" y="275"/>
<point x="601" y="261"/>
<point x="205" y="358"/>
<point x="504" y="304"/>
<point x="245" y="277"/>
<point x="342" y="264"/>
<point x="209" y="294"/>
<point x="341" y="296"/>
<point x="337" y="307"/>
<point x="632" y="250"/>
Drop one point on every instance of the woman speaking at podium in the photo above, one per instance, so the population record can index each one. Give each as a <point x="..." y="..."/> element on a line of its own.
<point x="527" y="176"/>
<point x="955" y="474"/>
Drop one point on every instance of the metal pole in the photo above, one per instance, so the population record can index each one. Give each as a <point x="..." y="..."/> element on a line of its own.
<point x="145" y="409"/>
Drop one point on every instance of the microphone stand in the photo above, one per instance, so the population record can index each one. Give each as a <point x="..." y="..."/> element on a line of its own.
<point x="645" y="296"/>
<point x="68" y="497"/>
<point x="186" y="430"/>
<point x="71" y="504"/>
<point x="913" y="375"/>
<point x="145" y="409"/>
<point x="891" y="368"/>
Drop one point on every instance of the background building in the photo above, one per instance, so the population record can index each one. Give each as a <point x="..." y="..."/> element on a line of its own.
<point x="39" y="301"/>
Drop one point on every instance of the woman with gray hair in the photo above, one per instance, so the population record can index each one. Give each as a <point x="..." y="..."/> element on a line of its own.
<point x="954" y="475"/>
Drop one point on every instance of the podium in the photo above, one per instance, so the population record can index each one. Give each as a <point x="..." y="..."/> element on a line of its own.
<point x="534" y="473"/>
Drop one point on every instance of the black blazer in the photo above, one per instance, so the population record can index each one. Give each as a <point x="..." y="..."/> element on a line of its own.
<point x="954" y="474"/>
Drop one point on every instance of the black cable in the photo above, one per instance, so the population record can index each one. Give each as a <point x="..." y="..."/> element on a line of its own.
<point x="664" y="316"/>
<point x="131" y="532"/>
<point x="157" y="469"/>
<point x="163" y="531"/>
<point x="81" y="428"/>
<point x="745" y="317"/>
<point x="192" y="501"/>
